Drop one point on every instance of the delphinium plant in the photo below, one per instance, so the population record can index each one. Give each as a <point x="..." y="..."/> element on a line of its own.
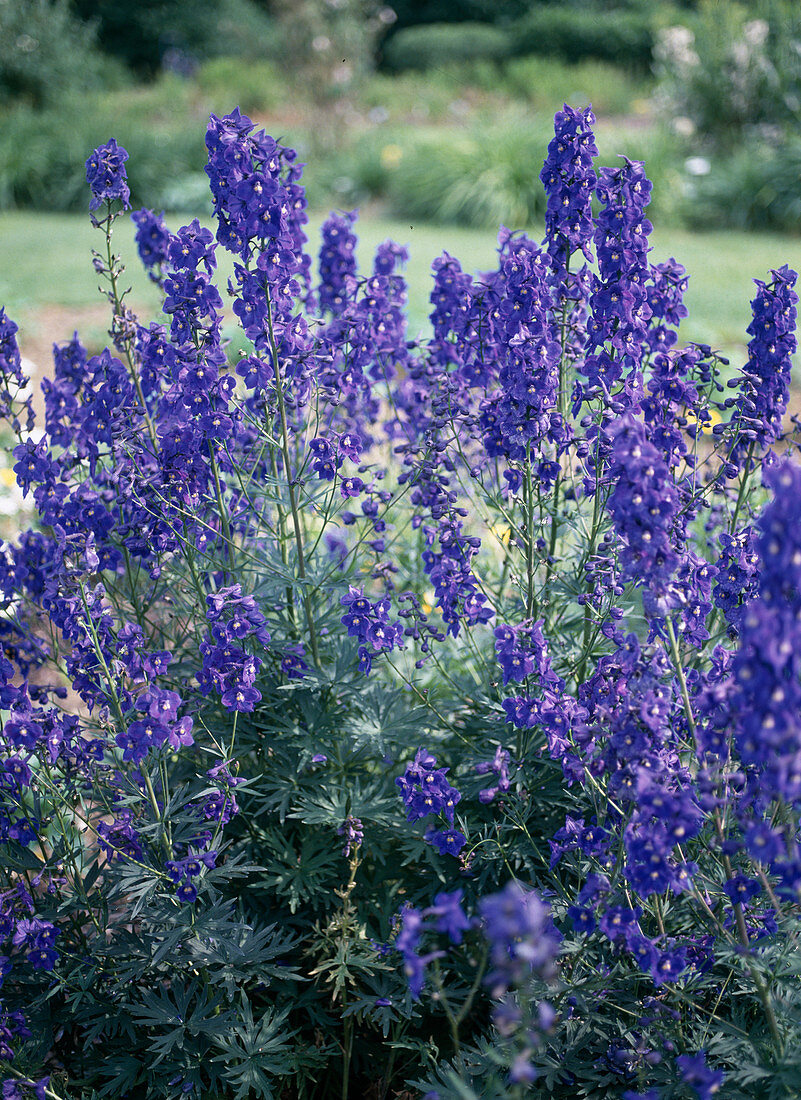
<point x="388" y="717"/>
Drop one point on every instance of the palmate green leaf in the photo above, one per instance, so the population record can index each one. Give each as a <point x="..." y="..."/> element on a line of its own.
<point x="256" y="1055"/>
<point x="178" y="1012"/>
<point x="18" y="858"/>
<point x="298" y="876"/>
<point x="385" y="719"/>
<point x="124" y="1072"/>
<point x="353" y="960"/>
<point x="245" y="952"/>
<point x="331" y="806"/>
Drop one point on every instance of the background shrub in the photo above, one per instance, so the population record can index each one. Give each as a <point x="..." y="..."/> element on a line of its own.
<point x="452" y="178"/>
<point x="756" y="187"/>
<point x="455" y="180"/>
<point x="45" y="52"/>
<point x="623" y="37"/>
<point x="734" y="69"/>
<point x="255" y="86"/>
<point x="542" y="80"/>
<point x="43" y="153"/>
<point x="436" y="44"/>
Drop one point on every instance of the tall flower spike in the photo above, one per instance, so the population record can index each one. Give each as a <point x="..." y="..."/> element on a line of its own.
<point x="337" y="261"/>
<point x="527" y="342"/>
<point x="643" y="504"/>
<point x="569" y="180"/>
<point x="767" y="667"/>
<point x="617" y="327"/>
<point x="765" y="381"/>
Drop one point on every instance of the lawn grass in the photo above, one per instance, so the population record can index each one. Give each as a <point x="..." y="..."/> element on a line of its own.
<point x="45" y="260"/>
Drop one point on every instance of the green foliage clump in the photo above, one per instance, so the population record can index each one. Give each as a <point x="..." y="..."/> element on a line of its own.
<point x="43" y="153"/>
<point x="756" y="187"/>
<point x="731" y="80"/>
<point x="450" y="178"/>
<point x="45" y="52"/>
<point x="546" y="83"/>
<point x="436" y="44"/>
<point x="734" y="70"/>
<point x="623" y="37"/>
<point x="256" y="86"/>
<point x="453" y="180"/>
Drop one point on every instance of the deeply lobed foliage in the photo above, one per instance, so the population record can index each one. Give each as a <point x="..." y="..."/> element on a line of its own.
<point x="389" y="716"/>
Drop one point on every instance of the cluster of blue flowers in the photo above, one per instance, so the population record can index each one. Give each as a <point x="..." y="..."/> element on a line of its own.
<point x="427" y="793"/>
<point x="549" y="492"/>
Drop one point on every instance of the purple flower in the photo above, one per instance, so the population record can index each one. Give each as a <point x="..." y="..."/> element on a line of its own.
<point x="644" y="505"/>
<point x="425" y="790"/>
<point x="450" y="917"/>
<point x="765" y="379"/>
<point x="698" y="1075"/>
<point x="370" y="623"/>
<point x="353" y="832"/>
<point x="448" y="842"/>
<point x="569" y="180"/>
<point x="517" y="926"/>
<point x="408" y="944"/>
<point x="152" y="241"/>
<point x="106" y="175"/>
<point x="337" y="262"/>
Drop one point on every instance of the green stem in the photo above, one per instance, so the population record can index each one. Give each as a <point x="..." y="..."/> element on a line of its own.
<point x="226" y="525"/>
<point x="293" y="504"/>
<point x="528" y="505"/>
<point x="125" y="342"/>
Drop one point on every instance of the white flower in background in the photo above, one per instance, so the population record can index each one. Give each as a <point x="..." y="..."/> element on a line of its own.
<point x="674" y="47"/>
<point x="755" y="33"/>
<point x="683" y="126"/>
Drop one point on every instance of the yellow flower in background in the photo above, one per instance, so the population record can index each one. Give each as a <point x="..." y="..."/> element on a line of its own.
<point x="428" y="601"/>
<point x="8" y="477"/>
<point x="391" y="156"/>
<point x="502" y="534"/>
<point x="707" y="425"/>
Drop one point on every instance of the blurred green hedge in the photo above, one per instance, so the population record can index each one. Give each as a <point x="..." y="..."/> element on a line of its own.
<point x="624" y="37"/>
<point x="436" y="44"/>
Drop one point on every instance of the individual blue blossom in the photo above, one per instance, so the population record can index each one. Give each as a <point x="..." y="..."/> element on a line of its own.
<point x="449" y="915"/>
<point x="694" y="1071"/>
<point x="517" y="926"/>
<point x="669" y="966"/>
<point x="152" y="239"/>
<point x="106" y="175"/>
<point x="448" y="842"/>
<point x="499" y="767"/>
